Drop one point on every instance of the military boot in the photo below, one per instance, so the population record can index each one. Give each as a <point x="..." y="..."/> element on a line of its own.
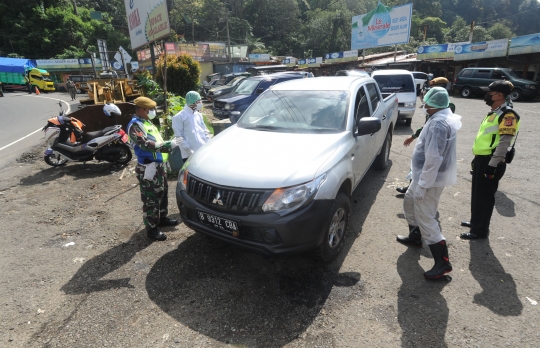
<point x="442" y="263"/>
<point x="414" y="239"/>
<point x="155" y="234"/>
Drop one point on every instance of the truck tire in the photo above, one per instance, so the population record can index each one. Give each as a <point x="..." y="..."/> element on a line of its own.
<point x="516" y="94"/>
<point x="335" y="229"/>
<point x="408" y="121"/>
<point x="382" y="159"/>
<point x="466" y="92"/>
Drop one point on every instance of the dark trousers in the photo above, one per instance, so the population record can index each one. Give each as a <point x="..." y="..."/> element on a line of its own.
<point x="154" y="195"/>
<point x="483" y="194"/>
<point x="29" y="88"/>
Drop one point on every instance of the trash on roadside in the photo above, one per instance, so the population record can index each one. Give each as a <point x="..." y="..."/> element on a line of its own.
<point x="69" y="244"/>
<point x="533" y="302"/>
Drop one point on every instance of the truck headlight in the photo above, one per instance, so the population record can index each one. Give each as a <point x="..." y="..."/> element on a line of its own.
<point x="286" y="200"/>
<point x="409" y="105"/>
<point x="229" y="107"/>
<point x="183" y="178"/>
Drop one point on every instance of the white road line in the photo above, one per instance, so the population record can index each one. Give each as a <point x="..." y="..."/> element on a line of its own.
<point x="34" y="132"/>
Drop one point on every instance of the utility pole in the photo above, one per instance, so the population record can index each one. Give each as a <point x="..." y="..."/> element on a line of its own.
<point x="395" y="52"/>
<point x="425" y="34"/>
<point x="471" y="33"/>
<point x="75" y="7"/>
<point x="165" y="75"/>
<point x="228" y="39"/>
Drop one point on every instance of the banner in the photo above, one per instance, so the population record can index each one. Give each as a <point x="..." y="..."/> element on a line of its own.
<point x="148" y="20"/>
<point x="316" y="62"/>
<point x="524" y="44"/>
<point x="339" y="57"/>
<point x="384" y="26"/>
<point x="437" y="51"/>
<point x="302" y="63"/>
<point x="75" y="64"/>
<point x="259" y="58"/>
<point x="477" y="50"/>
<point x="289" y="61"/>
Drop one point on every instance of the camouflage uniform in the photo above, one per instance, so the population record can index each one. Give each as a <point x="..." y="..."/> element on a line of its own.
<point x="154" y="193"/>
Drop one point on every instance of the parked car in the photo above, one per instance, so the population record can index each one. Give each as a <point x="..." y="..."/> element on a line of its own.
<point x="469" y="81"/>
<point x="280" y="181"/>
<point x="229" y="77"/>
<point x="209" y="86"/>
<point x="234" y="104"/>
<point x="352" y="73"/>
<point x="222" y="90"/>
<point x="420" y="78"/>
<point x="402" y="83"/>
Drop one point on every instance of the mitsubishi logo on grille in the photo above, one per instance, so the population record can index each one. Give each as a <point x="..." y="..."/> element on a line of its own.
<point x="218" y="200"/>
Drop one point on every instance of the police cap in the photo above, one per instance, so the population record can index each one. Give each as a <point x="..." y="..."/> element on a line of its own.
<point x="501" y="86"/>
<point x="145" y="103"/>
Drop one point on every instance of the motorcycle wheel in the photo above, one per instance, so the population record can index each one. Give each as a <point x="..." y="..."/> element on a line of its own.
<point x="55" y="160"/>
<point x="125" y="154"/>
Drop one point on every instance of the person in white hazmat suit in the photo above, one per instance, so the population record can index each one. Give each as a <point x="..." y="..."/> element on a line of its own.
<point x="433" y="166"/>
<point x="188" y="125"/>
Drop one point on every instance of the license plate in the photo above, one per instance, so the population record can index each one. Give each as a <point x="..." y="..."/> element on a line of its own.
<point x="218" y="112"/>
<point x="219" y="223"/>
<point x="125" y="138"/>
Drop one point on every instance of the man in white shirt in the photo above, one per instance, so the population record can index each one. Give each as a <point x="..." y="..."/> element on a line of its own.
<point x="188" y="125"/>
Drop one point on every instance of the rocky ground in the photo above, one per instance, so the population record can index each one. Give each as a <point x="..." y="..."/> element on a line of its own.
<point x="78" y="271"/>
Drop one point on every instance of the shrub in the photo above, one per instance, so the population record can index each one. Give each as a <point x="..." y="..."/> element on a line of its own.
<point x="182" y="73"/>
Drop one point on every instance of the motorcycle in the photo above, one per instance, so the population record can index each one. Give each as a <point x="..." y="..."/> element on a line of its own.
<point x="67" y="142"/>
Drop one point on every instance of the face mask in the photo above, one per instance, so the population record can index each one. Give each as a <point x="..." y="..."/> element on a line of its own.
<point x="151" y="114"/>
<point x="426" y="109"/>
<point x="488" y="99"/>
<point x="199" y="107"/>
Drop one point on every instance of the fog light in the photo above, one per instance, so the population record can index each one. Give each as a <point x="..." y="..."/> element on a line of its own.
<point x="269" y="235"/>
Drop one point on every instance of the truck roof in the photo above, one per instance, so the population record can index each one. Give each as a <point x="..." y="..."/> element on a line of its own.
<point x="15" y="65"/>
<point x="334" y="83"/>
<point x="391" y="72"/>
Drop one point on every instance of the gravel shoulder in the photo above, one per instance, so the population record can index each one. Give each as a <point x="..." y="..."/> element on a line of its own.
<point x="78" y="270"/>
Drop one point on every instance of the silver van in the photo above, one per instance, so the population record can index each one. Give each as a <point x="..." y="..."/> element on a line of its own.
<point x="402" y="83"/>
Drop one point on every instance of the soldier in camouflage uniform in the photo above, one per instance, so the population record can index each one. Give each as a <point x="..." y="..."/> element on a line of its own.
<point x="152" y="154"/>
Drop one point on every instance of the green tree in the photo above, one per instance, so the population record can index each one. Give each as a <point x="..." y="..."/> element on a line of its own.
<point x="500" y="31"/>
<point x="182" y="73"/>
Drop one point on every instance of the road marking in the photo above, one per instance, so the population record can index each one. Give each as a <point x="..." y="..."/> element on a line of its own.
<point x="34" y="132"/>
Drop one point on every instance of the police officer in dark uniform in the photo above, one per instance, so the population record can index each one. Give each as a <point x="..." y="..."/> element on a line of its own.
<point x="494" y="138"/>
<point x="152" y="154"/>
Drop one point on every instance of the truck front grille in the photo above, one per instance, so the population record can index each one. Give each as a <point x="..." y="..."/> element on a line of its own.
<point x="227" y="199"/>
<point x="218" y="105"/>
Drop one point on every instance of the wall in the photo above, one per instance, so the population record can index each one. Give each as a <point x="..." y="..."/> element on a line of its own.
<point x="207" y="68"/>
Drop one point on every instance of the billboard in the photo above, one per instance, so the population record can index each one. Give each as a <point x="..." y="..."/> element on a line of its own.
<point x="75" y="64"/>
<point x="384" y="26"/>
<point x="437" y="51"/>
<point x="525" y="44"/>
<point x="485" y="49"/>
<point x="259" y="58"/>
<point x="317" y="61"/>
<point x="289" y="61"/>
<point x="339" y="57"/>
<point x="148" y="20"/>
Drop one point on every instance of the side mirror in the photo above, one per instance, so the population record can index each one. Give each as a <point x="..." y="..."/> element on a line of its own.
<point x="260" y="90"/>
<point x="368" y="125"/>
<point x="234" y="116"/>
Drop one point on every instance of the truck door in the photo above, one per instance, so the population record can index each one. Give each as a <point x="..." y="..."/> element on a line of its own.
<point x="377" y="110"/>
<point x="363" y="153"/>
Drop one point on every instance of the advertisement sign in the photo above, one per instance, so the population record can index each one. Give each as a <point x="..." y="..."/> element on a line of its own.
<point x="477" y="50"/>
<point x="437" y="51"/>
<point x="302" y="63"/>
<point x="525" y="44"/>
<point x="75" y="64"/>
<point x="384" y="26"/>
<point x="314" y="62"/>
<point x="148" y="20"/>
<point x="338" y="57"/>
<point x="259" y="58"/>
<point x="289" y="61"/>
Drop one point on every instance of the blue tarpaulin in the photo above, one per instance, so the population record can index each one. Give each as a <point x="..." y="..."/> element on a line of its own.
<point x="15" y="65"/>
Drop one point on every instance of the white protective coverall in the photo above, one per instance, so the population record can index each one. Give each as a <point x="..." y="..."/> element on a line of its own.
<point x="433" y="166"/>
<point x="188" y="125"/>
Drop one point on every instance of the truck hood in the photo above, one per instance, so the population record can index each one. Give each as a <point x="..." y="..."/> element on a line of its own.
<point x="247" y="158"/>
<point x="231" y="98"/>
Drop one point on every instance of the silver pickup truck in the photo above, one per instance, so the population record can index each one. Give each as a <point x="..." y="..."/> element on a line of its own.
<point x="280" y="180"/>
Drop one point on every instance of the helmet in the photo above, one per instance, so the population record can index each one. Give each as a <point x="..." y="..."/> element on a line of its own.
<point x="111" y="110"/>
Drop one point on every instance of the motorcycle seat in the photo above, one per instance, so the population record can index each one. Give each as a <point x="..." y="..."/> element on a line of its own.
<point x="92" y="135"/>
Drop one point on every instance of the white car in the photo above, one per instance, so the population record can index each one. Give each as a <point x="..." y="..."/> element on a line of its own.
<point x="402" y="83"/>
<point x="420" y="78"/>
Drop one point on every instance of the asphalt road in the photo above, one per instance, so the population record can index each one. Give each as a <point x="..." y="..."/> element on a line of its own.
<point x="78" y="270"/>
<point x="21" y="116"/>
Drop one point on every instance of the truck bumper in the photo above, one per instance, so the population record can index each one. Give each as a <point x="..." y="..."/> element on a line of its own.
<point x="404" y="113"/>
<point x="265" y="233"/>
<point x="221" y="114"/>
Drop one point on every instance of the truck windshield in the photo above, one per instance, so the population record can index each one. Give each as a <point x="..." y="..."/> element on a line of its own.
<point x="246" y="87"/>
<point x="395" y="83"/>
<point x="235" y="81"/>
<point x="298" y="111"/>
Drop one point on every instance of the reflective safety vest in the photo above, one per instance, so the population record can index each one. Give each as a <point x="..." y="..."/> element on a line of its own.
<point x="503" y="121"/>
<point x="152" y="134"/>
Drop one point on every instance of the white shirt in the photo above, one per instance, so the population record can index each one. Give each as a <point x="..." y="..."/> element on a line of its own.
<point x="190" y="128"/>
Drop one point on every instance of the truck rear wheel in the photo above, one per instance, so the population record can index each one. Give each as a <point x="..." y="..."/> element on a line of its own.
<point x="408" y="121"/>
<point x="335" y="229"/>
<point x="382" y="159"/>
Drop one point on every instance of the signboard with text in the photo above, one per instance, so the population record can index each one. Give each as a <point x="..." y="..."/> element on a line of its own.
<point x="437" y="51"/>
<point x="80" y="63"/>
<point x="289" y="61"/>
<point x="525" y="44"/>
<point x="339" y="57"/>
<point x="477" y="50"/>
<point x="148" y="20"/>
<point x="259" y="58"/>
<point x="315" y="62"/>
<point x="383" y="26"/>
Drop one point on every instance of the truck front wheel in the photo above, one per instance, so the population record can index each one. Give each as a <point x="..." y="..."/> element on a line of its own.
<point x="382" y="159"/>
<point x="335" y="228"/>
